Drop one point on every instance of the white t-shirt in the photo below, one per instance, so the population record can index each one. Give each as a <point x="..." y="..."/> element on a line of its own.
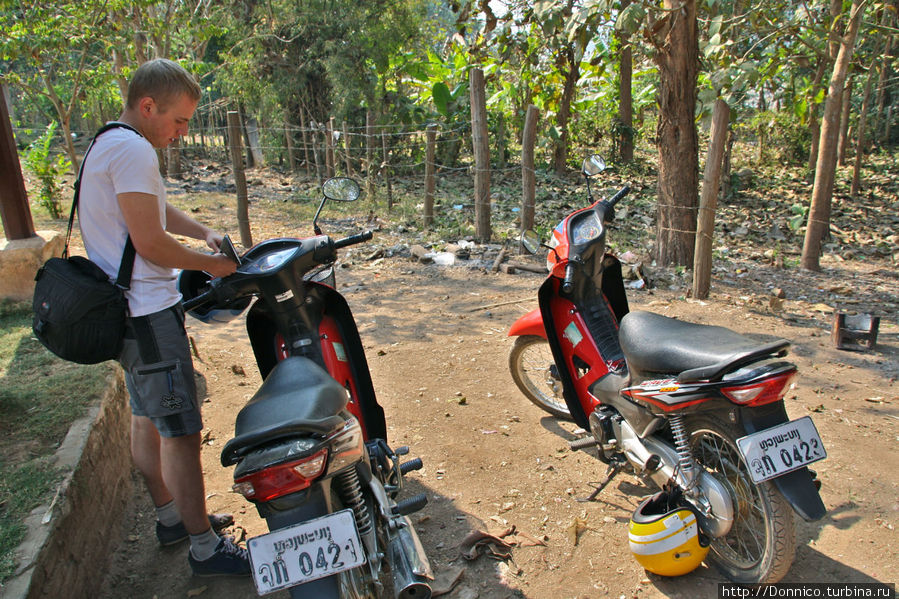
<point x="122" y="161"/>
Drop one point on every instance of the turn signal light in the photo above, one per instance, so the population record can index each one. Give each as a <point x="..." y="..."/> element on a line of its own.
<point x="282" y="479"/>
<point x="758" y="394"/>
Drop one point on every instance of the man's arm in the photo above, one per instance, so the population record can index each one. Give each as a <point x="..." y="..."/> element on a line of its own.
<point x="154" y="244"/>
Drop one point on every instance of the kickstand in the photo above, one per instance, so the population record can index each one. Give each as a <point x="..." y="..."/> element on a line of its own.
<point x="614" y="468"/>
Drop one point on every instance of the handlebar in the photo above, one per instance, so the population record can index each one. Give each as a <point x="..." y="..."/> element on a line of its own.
<point x="621" y="193"/>
<point x="352" y="239"/>
<point x="568" y="281"/>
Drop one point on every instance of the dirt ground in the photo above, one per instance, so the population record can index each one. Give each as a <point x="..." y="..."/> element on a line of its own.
<point x="437" y="347"/>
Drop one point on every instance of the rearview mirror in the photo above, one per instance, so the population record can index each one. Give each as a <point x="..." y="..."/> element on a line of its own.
<point x="593" y="165"/>
<point x="341" y="189"/>
<point x="530" y="241"/>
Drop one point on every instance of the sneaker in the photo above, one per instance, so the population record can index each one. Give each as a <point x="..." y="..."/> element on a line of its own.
<point x="172" y="535"/>
<point x="229" y="559"/>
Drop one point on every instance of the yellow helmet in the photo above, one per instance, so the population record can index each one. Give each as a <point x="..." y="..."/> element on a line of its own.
<point x="664" y="536"/>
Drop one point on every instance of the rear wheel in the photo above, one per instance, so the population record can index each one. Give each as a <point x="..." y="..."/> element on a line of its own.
<point x="534" y="371"/>
<point x="761" y="544"/>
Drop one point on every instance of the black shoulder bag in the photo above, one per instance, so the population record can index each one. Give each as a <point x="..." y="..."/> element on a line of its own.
<point x="79" y="315"/>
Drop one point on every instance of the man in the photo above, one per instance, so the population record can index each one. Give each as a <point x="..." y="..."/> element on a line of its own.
<point x="123" y="194"/>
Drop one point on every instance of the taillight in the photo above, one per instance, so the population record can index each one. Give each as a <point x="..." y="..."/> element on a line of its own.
<point x="282" y="479"/>
<point x="761" y="393"/>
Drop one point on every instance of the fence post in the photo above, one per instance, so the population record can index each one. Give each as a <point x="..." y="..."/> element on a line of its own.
<point x="174" y="159"/>
<point x="240" y="180"/>
<point x="369" y="154"/>
<point x="430" y="179"/>
<point x="481" y="145"/>
<point x="386" y="167"/>
<point x="288" y="138"/>
<point x="307" y="162"/>
<point x="315" y="153"/>
<point x="528" y="179"/>
<point x="705" y="231"/>
<point x="346" y="149"/>
<point x="329" y="147"/>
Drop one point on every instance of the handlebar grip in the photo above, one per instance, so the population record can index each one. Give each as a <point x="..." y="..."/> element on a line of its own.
<point x="621" y="193"/>
<point x="568" y="281"/>
<point x="353" y="239"/>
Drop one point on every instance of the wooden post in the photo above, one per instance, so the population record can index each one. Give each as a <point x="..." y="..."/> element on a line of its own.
<point x="255" y="152"/>
<point x="346" y="150"/>
<point x="14" y="210"/>
<point x="369" y="154"/>
<point x="705" y="232"/>
<point x="386" y="168"/>
<point x="315" y="154"/>
<point x="430" y="171"/>
<point x="174" y="158"/>
<point x="307" y="162"/>
<point x="329" y="147"/>
<point x="528" y="179"/>
<point x="481" y="145"/>
<point x="240" y="180"/>
<point x="288" y="140"/>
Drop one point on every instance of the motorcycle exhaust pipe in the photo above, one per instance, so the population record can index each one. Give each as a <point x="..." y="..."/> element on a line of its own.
<point x="408" y="563"/>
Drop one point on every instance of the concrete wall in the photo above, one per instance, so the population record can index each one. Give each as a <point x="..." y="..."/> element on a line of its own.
<point x="66" y="549"/>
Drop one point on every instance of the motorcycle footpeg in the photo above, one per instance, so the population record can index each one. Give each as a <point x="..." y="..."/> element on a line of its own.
<point x="411" y="465"/>
<point x="582" y="443"/>
<point x="410" y="505"/>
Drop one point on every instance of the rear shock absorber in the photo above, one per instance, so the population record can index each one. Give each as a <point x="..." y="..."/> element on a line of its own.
<point x="682" y="446"/>
<point x="350" y="490"/>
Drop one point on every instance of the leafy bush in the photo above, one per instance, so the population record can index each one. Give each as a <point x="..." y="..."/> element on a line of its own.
<point x="779" y="132"/>
<point x="48" y="168"/>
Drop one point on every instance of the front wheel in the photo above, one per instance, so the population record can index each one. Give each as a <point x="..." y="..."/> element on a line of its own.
<point x="534" y="371"/>
<point x="761" y="544"/>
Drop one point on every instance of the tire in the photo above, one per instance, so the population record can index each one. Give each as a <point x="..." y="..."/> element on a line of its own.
<point x="534" y="371"/>
<point x="761" y="544"/>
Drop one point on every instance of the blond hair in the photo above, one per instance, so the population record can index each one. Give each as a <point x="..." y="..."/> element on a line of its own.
<point x="162" y="80"/>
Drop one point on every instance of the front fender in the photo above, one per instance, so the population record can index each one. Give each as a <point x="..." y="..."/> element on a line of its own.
<point x="798" y="486"/>
<point x="529" y="324"/>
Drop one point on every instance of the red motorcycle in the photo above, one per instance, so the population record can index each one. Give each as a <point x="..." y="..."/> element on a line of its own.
<point x="695" y="406"/>
<point x="310" y="447"/>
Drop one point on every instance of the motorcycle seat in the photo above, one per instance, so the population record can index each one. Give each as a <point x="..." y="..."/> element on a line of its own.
<point x="654" y="343"/>
<point x="297" y="397"/>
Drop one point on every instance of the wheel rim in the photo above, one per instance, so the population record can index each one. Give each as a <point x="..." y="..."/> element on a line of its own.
<point x="537" y="371"/>
<point x="744" y="546"/>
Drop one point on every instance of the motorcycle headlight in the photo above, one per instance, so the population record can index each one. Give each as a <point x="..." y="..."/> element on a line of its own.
<point x="586" y="228"/>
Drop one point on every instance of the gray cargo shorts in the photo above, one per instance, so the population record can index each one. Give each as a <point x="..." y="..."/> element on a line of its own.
<point x="159" y="372"/>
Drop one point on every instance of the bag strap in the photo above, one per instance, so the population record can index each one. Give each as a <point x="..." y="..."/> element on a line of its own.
<point x="126" y="266"/>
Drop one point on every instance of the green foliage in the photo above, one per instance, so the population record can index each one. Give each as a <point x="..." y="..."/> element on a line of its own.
<point x="783" y="138"/>
<point x="48" y="168"/>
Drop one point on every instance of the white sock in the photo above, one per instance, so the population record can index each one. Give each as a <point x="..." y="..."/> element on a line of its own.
<point x="168" y="514"/>
<point x="203" y="545"/>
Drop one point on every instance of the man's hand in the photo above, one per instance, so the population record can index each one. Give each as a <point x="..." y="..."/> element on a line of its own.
<point x="220" y="266"/>
<point x="214" y="240"/>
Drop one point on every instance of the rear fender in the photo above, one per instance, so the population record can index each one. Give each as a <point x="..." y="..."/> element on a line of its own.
<point x="797" y="486"/>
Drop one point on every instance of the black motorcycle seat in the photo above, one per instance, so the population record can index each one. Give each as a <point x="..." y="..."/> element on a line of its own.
<point x="653" y="343"/>
<point x="297" y="397"/>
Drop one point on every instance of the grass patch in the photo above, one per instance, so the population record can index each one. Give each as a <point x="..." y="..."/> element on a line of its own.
<point x="40" y="396"/>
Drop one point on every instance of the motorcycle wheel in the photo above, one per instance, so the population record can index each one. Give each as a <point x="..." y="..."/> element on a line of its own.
<point x="534" y="372"/>
<point x="761" y="543"/>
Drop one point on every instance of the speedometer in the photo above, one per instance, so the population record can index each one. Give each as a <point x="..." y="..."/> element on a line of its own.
<point x="273" y="260"/>
<point x="585" y="228"/>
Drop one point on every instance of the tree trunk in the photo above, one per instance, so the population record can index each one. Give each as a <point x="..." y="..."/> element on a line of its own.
<point x="844" y="122"/>
<point x="822" y="193"/>
<point x="560" y="153"/>
<point x="705" y="232"/>
<point x="625" y="99"/>
<point x="481" y="146"/>
<point x="678" y="61"/>
<point x="860" y="141"/>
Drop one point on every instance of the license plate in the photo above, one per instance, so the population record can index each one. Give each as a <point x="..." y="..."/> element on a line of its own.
<point x="304" y="552"/>
<point x="782" y="448"/>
